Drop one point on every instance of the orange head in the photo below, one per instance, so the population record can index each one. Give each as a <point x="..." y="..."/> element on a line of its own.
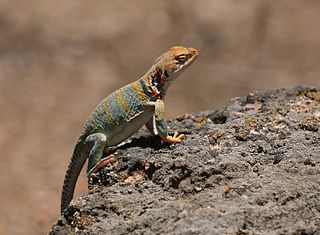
<point x="176" y="59"/>
<point x="171" y="64"/>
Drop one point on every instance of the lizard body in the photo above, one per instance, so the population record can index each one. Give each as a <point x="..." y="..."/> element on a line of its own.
<point x="123" y="112"/>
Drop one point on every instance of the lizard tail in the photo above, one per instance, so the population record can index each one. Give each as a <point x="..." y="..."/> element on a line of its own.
<point x="74" y="168"/>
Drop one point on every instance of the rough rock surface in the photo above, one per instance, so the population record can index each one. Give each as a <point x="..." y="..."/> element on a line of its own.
<point x="252" y="167"/>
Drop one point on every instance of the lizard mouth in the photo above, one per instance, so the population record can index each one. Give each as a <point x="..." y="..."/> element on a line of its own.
<point x="183" y="67"/>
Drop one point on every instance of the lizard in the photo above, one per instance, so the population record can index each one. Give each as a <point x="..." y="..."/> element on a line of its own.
<point x="123" y="112"/>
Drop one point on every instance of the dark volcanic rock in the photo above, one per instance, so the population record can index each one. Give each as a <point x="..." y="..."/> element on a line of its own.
<point x="250" y="168"/>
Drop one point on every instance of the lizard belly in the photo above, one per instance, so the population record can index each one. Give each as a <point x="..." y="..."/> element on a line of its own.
<point x="125" y="130"/>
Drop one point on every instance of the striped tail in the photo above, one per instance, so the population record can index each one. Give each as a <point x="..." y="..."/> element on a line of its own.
<point x="74" y="168"/>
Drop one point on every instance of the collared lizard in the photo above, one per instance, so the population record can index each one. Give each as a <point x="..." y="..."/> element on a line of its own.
<point x="123" y="112"/>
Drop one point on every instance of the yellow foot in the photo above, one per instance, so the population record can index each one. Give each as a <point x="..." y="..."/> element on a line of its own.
<point x="176" y="138"/>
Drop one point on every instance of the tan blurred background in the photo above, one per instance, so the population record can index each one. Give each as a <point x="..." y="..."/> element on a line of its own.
<point x="58" y="59"/>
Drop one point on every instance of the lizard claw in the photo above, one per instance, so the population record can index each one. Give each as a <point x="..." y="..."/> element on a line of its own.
<point x="175" y="135"/>
<point x="176" y="138"/>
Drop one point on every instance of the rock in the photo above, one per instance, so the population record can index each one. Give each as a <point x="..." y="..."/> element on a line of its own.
<point x="252" y="167"/>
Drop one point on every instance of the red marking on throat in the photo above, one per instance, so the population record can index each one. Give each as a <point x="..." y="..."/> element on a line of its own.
<point x="153" y="89"/>
<point x="156" y="93"/>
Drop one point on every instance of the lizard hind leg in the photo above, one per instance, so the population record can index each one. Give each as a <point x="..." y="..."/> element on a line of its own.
<point x="95" y="144"/>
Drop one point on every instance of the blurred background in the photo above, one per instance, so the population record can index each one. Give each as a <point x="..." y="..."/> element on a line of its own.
<point x="58" y="59"/>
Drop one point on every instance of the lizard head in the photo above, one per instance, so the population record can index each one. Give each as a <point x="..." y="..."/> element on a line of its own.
<point x="170" y="64"/>
<point x="176" y="60"/>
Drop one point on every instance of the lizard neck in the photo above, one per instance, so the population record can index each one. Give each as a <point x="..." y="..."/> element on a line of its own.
<point x="158" y="81"/>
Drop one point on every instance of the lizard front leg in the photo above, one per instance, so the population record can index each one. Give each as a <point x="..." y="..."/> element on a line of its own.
<point x="161" y="124"/>
<point x="151" y="126"/>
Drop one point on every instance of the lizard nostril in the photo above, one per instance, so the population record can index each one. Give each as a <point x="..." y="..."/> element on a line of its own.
<point x="194" y="51"/>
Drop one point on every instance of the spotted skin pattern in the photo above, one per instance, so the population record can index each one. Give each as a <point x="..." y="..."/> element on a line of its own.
<point x="123" y="112"/>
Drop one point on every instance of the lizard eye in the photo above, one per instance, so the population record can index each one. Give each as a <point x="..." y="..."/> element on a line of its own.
<point x="181" y="58"/>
